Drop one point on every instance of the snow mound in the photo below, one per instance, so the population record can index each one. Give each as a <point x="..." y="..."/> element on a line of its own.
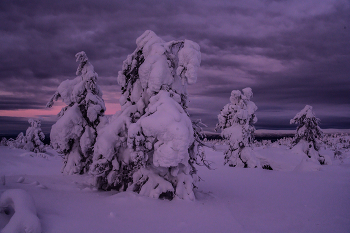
<point x="308" y="164"/>
<point x="25" y="218"/>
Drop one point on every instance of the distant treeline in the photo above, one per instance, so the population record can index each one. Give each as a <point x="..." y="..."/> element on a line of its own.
<point x="14" y="136"/>
<point x="208" y="137"/>
<point x="272" y="138"/>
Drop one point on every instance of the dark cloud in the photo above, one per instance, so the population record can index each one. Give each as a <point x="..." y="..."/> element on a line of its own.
<point x="12" y="126"/>
<point x="290" y="53"/>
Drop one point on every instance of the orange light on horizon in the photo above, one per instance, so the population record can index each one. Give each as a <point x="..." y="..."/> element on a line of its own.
<point x="111" y="108"/>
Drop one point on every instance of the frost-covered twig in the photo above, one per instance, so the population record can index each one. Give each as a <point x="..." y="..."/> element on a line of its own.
<point x="200" y="157"/>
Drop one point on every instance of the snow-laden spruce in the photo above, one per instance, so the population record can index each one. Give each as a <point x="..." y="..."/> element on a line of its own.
<point x="236" y="121"/>
<point x="34" y="137"/>
<point x="308" y="137"/>
<point x="149" y="146"/>
<point x="74" y="133"/>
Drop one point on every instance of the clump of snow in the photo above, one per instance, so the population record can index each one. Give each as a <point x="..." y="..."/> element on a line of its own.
<point x="308" y="136"/>
<point x="167" y="124"/>
<point x="20" y="179"/>
<point x="25" y="218"/>
<point x="148" y="147"/>
<point x="75" y="132"/>
<point x="236" y="121"/>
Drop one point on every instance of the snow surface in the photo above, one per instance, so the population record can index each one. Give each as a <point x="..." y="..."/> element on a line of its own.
<point x="24" y="218"/>
<point x="227" y="199"/>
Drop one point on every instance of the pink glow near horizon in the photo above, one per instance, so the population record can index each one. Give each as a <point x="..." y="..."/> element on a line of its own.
<point x="111" y="108"/>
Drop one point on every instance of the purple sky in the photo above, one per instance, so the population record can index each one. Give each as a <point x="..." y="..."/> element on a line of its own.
<point x="291" y="53"/>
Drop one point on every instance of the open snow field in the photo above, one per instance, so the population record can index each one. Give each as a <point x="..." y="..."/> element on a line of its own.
<point x="291" y="198"/>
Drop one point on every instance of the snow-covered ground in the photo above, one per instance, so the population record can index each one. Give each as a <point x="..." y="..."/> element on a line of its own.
<point x="288" y="199"/>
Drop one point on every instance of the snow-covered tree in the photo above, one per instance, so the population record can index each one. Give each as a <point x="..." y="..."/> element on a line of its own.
<point x="3" y="142"/>
<point x="11" y="143"/>
<point x="18" y="143"/>
<point x="308" y="135"/>
<point x="236" y="121"/>
<point x="74" y="133"/>
<point x="149" y="146"/>
<point x="34" y="137"/>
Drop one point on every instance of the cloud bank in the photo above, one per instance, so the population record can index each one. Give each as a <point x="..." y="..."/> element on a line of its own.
<point x="291" y="53"/>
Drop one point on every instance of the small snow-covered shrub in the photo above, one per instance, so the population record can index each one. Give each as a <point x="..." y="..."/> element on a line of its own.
<point x="11" y="143"/>
<point x="34" y="137"/>
<point x="308" y="137"/>
<point x="236" y="121"/>
<point x="18" y="143"/>
<point x="266" y="143"/>
<point x="75" y="131"/>
<point x="285" y="141"/>
<point x="149" y="146"/>
<point x="3" y="142"/>
<point x="25" y="217"/>
<point x="339" y="143"/>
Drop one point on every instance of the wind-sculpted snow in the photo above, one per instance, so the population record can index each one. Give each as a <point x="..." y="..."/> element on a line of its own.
<point x="155" y="64"/>
<point x="236" y="121"/>
<point x="189" y="62"/>
<point x="25" y="218"/>
<point x="74" y="133"/>
<point x="168" y="125"/>
<point x="228" y="200"/>
<point x="153" y="135"/>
